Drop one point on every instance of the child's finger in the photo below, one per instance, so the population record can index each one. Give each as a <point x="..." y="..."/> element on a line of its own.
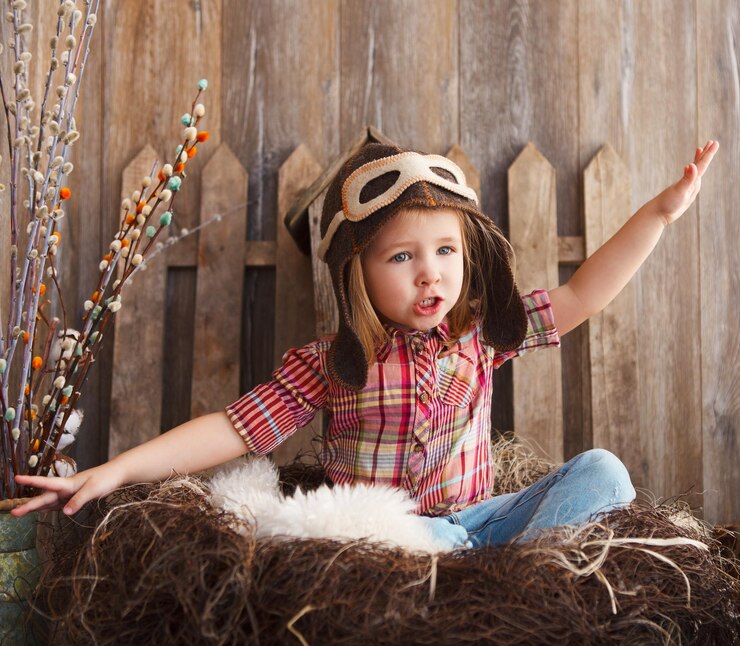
<point x="42" y="482"/>
<point x="707" y="155"/>
<point x="39" y="503"/>
<point x="75" y="503"/>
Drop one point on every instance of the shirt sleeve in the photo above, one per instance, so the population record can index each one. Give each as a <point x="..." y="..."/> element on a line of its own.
<point x="541" y="330"/>
<point x="270" y="413"/>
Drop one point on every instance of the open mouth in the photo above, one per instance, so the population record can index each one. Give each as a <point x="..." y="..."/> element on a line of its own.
<point x="428" y="306"/>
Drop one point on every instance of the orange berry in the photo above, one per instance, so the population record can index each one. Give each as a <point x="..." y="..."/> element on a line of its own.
<point x="43" y="289"/>
<point x="108" y="257"/>
<point x="25" y="337"/>
<point x="65" y="400"/>
<point x="161" y="177"/>
<point x="37" y="363"/>
<point x="130" y="218"/>
<point x="35" y="445"/>
<point x="65" y="192"/>
<point x="140" y="206"/>
<point x="179" y="167"/>
<point x="95" y="298"/>
<point x="58" y="235"/>
<point x="28" y="390"/>
<point x="202" y="136"/>
<point x="125" y="242"/>
<point x="192" y="152"/>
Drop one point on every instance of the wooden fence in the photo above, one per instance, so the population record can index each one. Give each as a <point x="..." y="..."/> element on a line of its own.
<point x="304" y="308"/>
<point x="568" y="75"/>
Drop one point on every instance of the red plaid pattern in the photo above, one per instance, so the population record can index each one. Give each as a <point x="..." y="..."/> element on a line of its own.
<point x="421" y="423"/>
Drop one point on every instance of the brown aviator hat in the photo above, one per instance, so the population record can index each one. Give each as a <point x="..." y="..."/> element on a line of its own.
<point x="368" y="190"/>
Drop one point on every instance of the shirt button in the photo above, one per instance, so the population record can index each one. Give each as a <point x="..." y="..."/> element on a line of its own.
<point x="418" y="448"/>
<point x="424" y="397"/>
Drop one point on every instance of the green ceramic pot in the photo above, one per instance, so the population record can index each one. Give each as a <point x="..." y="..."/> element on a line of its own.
<point x="19" y="573"/>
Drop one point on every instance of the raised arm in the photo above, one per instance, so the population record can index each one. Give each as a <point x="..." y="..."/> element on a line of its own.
<point x="199" y="444"/>
<point x="605" y="273"/>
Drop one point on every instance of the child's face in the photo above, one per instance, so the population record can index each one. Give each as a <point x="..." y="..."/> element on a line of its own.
<point x="413" y="268"/>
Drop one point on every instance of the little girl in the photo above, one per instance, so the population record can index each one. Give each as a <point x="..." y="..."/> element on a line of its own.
<point x="428" y="308"/>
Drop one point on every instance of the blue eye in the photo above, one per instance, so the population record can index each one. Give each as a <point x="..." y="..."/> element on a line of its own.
<point x="445" y="251"/>
<point x="400" y="257"/>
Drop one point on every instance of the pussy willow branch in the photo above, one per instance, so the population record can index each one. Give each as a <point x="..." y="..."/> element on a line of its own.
<point x="37" y="267"/>
<point x="33" y="237"/>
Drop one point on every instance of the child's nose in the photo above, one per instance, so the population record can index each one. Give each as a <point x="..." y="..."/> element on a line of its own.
<point x="429" y="274"/>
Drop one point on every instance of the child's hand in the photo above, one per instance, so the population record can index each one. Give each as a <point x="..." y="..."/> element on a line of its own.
<point x="78" y="489"/>
<point x="673" y="202"/>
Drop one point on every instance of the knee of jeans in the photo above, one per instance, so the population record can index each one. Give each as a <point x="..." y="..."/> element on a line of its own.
<point x="612" y="469"/>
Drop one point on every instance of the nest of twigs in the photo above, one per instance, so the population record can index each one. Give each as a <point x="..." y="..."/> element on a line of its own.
<point x="159" y="565"/>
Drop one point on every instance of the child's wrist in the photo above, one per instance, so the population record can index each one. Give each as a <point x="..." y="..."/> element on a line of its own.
<point x="652" y="215"/>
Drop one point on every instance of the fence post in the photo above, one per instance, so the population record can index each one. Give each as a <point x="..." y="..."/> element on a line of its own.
<point x="219" y="284"/>
<point x="538" y="397"/>
<point x="136" y="389"/>
<point x="295" y="320"/>
<point x="613" y="340"/>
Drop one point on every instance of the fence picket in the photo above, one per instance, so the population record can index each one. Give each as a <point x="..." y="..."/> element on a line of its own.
<point x="613" y="332"/>
<point x="219" y="286"/>
<point x="136" y="389"/>
<point x="538" y="399"/>
<point x="294" y="301"/>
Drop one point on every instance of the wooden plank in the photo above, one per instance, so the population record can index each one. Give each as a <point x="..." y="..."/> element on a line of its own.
<point x="537" y="378"/>
<point x="518" y="83"/>
<point x="380" y="85"/>
<point x="159" y="75"/>
<point x="626" y="68"/>
<point x="219" y="289"/>
<point x="136" y="393"/>
<point x="613" y="332"/>
<point x="294" y="301"/>
<point x="86" y="243"/>
<point x="718" y="23"/>
<point x="277" y="97"/>
<point x="327" y="314"/>
<point x="668" y="282"/>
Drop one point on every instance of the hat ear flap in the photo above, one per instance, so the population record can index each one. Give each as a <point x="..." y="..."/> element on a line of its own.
<point x="504" y="318"/>
<point x="346" y="362"/>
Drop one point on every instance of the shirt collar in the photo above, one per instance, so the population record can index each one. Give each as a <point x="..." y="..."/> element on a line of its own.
<point x="442" y="331"/>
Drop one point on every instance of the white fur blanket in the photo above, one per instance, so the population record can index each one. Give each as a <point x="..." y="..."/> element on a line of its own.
<point x="248" y="487"/>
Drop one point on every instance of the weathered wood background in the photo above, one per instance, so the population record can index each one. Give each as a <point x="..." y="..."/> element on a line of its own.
<point x="654" y="78"/>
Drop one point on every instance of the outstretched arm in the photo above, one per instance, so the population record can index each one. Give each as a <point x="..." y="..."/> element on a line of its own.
<point x="199" y="444"/>
<point x="605" y="273"/>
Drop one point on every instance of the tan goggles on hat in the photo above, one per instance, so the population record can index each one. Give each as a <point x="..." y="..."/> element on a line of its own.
<point x="411" y="168"/>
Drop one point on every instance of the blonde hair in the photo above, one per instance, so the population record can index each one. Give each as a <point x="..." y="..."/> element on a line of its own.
<point x="365" y="320"/>
<point x="477" y="235"/>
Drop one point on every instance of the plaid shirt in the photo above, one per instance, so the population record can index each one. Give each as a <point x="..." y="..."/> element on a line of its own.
<point x="421" y="423"/>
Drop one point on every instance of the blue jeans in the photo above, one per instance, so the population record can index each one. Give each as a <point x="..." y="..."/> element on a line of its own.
<point x="586" y="486"/>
